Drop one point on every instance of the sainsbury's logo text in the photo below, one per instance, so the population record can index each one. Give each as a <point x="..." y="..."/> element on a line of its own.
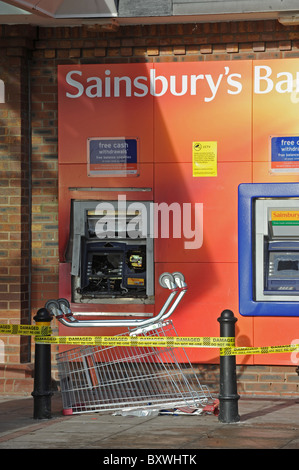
<point x="206" y="85"/>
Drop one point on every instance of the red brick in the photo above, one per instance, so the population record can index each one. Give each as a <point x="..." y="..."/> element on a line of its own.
<point x="258" y="47"/>
<point x="179" y="50"/>
<point x="152" y="51"/>
<point x="206" y="49"/>
<point x="232" y="48"/>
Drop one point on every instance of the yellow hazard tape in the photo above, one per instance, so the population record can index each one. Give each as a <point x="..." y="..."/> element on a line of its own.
<point x="226" y="345"/>
<point x="26" y="330"/>
<point x="150" y="341"/>
<point x="261" y="350"/>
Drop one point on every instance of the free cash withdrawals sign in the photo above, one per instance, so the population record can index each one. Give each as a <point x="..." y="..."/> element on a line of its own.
<point x="285" y="154"/>
<point x="112" y="156"/>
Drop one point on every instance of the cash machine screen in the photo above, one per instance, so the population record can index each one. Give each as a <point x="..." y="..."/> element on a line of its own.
<point x="283" y="272"/>
<point x="117" y="269"/>
<point x="287" y="265"/>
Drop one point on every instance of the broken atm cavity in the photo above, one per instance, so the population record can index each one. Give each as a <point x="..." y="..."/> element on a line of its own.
<point x="111" y="252"/>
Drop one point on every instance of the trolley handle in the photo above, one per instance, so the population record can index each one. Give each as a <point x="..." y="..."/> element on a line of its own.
<point x="174" y="282"/>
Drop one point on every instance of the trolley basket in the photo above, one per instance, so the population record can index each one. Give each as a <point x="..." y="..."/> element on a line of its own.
<point x="101" y="378"/>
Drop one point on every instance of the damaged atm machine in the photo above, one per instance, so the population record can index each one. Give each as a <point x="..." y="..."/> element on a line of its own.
<point x="111" y="252"/>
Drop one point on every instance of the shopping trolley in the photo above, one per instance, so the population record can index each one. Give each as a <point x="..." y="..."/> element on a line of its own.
<point x="114" y="378"/>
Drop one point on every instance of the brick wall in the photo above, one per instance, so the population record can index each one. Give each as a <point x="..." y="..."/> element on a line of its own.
<point x="35" y="52"/>
<point x="256" y="380"/>
<point x="15" y="205"/>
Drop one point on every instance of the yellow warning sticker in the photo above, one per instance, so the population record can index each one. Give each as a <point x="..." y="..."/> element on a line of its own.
<point x="134" y="281"/>
<point x="204" y="158"/>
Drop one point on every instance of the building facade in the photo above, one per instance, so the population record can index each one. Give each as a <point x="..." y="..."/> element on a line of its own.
<point x="29" y="197"/>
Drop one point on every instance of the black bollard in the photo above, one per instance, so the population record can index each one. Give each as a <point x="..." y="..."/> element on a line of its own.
<point x="42" y="372"/>
<point x="228" y="396"/>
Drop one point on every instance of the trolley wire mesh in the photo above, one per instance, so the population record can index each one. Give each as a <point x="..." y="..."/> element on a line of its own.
<point x="101" y="378"/>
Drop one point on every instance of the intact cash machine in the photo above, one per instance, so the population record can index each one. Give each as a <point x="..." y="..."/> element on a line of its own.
<point x="269" y="249"/>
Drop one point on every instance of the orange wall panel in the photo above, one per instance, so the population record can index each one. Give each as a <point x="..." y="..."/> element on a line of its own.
<point x="275" y="331"/>
<point x="212" y="288"/>
<point x="220" y="210"/>
<point x="215" y="113"/>
<point x="262" y="174"/>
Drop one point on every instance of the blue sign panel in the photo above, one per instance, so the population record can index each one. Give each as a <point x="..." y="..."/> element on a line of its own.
<point x="285" y="153"/>
<point x="112" y="156"/>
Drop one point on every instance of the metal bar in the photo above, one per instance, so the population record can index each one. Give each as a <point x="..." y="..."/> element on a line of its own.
<point x="121" y="323"/>
<point x="112" y="314"/>
<point x="111" y="189"/>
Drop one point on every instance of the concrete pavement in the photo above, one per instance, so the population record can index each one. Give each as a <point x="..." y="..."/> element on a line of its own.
<point x="264" y="424"/>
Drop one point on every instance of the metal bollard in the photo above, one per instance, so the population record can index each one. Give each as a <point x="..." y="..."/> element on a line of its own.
<point x="42" y="373"/>
<point x="228" y="396"/>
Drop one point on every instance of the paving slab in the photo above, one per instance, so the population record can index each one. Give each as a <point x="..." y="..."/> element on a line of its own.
<point x="264" y="424"/>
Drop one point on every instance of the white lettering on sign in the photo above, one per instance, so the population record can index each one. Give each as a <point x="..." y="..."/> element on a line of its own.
<point x="155" y="85"/>
<point x="208" y="85"/>
<point x="265" y="82"/>
<point x="2" y="92"/>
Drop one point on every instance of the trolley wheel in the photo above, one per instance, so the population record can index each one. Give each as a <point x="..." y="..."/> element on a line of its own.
<point x="179" y="278"/>
<point x="179" y="275"/>
<point x="52" y="305"/>
<point x="63" y="302"/>
<point x="165" y="280"/>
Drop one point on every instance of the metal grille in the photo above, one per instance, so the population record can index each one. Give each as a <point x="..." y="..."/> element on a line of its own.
<point x="114" y="378"/>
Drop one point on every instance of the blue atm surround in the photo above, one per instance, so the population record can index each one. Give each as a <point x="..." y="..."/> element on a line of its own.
<point x="247" y="305"/>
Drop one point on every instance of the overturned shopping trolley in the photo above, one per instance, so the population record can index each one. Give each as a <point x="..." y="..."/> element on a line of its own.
<point x="111" y="378"/>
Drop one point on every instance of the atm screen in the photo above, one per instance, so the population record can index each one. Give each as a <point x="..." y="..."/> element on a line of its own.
<point x="118" y="270"/>
<point x="287" y="265"/>
<point x="105" y="264"/>
<point x="283" y="272"/>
